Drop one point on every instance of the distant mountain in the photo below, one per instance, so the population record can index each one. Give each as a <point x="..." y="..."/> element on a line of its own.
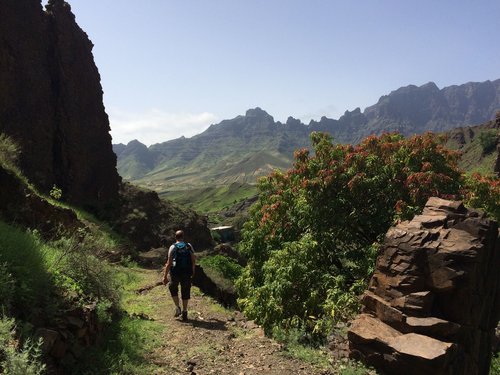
<point x="414" y="110"/>
<point x="241" y="149"/>
<point x="237" y="150"/>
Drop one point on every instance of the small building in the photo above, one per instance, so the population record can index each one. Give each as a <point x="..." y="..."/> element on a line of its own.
<point x="225" y="233"/>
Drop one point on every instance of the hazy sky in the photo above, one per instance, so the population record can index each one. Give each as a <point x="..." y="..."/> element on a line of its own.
<point x="172" y="68"/>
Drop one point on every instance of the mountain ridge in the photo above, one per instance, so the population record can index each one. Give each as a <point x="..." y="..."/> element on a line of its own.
<point x="208" y="157"/>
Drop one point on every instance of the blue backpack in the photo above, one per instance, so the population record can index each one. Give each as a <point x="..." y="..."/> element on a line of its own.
<point x="182" y="263"/>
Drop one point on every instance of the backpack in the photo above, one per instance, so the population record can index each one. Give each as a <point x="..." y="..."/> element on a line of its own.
<point x="182" y="263"/>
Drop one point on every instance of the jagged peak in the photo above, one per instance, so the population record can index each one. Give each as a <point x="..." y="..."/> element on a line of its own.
<point x="258" y="112"/>
<point x="293" y="121"/>
<point x="430" y="85"/>
<point x="134" y="143"/>
<point x="356" y="111"/>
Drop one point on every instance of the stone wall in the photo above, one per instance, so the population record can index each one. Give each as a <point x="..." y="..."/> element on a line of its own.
<point x="433" y="302"/>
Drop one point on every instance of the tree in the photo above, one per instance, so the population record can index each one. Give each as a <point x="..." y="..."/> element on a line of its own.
<point x="312" y="236"/>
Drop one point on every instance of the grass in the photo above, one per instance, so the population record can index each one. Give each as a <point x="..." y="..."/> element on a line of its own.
<point x="495" y="365"/>
<point x="474" y="157"/>
<point x="211" y="198"/>
<point x="26" y="260"/>
<point x="225" y="267"/>
<point x="127" y="340"/>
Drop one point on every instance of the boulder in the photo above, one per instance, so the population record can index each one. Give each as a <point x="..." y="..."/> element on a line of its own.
<point x="432" y="305"/>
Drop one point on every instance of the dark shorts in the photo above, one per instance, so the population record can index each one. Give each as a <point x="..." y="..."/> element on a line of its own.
<point x="173" y="285"/>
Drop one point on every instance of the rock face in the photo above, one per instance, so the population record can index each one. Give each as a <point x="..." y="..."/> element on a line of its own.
<point x="22" y="206"/>
<point x="433" y="302"/>
<point x="149" y="222"/>
<point x="51" y="102"/>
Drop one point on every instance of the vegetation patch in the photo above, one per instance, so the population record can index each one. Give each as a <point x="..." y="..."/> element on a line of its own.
<point x="224" y="266"/>
<point x="313" y="235"/>
<point x="212" y="198"/>
<point x="130" y="336"/>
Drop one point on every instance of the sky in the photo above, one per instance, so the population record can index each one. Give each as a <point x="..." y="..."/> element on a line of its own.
<point x="171" y="68"/>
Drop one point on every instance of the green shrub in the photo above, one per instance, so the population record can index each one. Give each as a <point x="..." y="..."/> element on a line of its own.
<point x="44" y="275"/>
<point x="226" y="267"/>
<point x="488" y="140"/>
<point x="216" y="236"/>
<point x="311" y="237"/>
<point x="22" y="257"/>
<point x="483" y="192"/>
<point x="495" y="365"/>
<point x="26" y="361"/>
<point x="78" y="270"/>
<point x="6" y="288"/>
<point x="9" y="151"/>
<point x="55" y="193"/>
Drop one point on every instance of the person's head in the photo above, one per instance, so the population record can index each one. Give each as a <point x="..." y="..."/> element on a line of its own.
<point x="179" y="235"/>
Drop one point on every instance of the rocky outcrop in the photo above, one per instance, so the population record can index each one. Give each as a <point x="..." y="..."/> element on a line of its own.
<point x="433" y="302"/>
<point x="150" y="222"/>
<point x="20" y="205"/>
<point x="51" y="102"/>
<point x="64" y="343"/>
<point x="51" y="106"/>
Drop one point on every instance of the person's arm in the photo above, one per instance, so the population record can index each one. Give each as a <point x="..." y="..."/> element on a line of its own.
<point x="193" y="259"/>
<point x="168" y="265"/>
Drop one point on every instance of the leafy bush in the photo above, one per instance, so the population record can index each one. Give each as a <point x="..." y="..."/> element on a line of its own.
<point x="495" y="365"/>
<point x="43" y="275"/>
<point x="483" y="192"/>
<point x="226" y="267"/>
<point x="55" y="193"/>
<point x="26" y="361"/>
<point x="9" y="151"/>
<point x="78" y="270"/>
<point x="488" y="140"/>
<point x="22" y="257"/>
<point x="6" y="288"/>
<point x="311" y="237"/>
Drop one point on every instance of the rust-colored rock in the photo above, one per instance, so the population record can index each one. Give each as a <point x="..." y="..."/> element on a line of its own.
<point x="433" y="302"/>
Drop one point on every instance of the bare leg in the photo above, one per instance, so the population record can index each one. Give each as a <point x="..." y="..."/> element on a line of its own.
<point x="176" y="301"/>
<point x="185" y="304"/>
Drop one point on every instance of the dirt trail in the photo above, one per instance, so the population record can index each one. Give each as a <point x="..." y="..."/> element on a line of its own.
<point x="214" y="340"/>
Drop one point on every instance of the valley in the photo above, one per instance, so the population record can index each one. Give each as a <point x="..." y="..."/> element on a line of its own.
<point x="352" y="246"/>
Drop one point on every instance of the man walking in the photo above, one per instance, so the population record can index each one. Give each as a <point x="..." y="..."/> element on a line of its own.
<point x="179" y="269"/>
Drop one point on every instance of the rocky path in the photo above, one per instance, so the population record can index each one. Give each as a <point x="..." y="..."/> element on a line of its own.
<point x="214" y="340"/>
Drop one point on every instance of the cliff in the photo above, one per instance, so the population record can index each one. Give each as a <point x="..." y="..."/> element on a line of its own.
<point x="51" y="102"/>
<point x="51" y="106"/>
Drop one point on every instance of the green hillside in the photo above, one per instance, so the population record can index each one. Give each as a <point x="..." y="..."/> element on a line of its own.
<point x="477" y="145"/>
<point x="211" y="198"/>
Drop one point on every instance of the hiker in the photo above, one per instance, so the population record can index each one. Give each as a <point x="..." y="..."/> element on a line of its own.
<point x="179" y="269"/>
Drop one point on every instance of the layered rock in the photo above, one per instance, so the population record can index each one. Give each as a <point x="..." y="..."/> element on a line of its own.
<point x="51" y="102"/>
<point x="433" y="302"/>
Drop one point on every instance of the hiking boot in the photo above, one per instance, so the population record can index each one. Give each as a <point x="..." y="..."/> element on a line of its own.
<point x="177" y="311"/>
<point x="184" y="316"/>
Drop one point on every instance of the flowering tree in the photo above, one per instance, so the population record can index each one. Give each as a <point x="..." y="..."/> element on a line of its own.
<point x="312" y="236"/>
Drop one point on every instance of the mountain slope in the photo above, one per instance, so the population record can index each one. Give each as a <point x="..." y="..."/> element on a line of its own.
<point x="470" y="141"/>
<point x="246" y="147"/>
